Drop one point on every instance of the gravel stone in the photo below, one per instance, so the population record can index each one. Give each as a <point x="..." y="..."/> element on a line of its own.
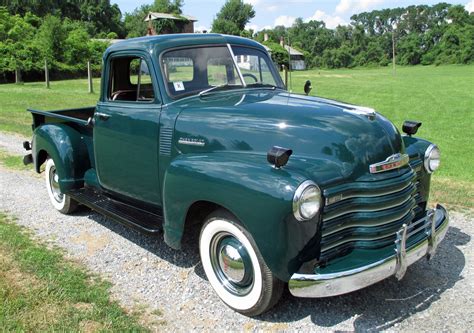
<point x="144" y="271"/>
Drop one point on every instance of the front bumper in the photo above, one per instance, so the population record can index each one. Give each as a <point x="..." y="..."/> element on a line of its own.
<point x="435" y="223"/>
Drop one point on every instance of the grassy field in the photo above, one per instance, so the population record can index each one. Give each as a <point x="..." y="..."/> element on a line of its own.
<point x="15" y="99"/>
<point x="440" y="97"/>
<point x="41" y="291"/>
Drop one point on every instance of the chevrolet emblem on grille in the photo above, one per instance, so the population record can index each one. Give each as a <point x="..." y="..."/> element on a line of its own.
<point x="394" y="161"/>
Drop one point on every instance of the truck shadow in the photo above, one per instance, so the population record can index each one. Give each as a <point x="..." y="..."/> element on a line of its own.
<point x="187" y="257"/>
<point x="388" y="302"/>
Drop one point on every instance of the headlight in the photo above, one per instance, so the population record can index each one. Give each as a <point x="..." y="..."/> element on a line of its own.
<point x="432" y="158"/>
<point x="307" y="201"/>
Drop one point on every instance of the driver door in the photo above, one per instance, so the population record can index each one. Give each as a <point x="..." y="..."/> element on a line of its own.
<point x="126" y="130"/>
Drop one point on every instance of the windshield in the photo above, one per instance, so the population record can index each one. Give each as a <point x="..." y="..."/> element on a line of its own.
<point x="194" y="70"/>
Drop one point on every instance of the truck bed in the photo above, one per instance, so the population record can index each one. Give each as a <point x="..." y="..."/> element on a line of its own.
<point x="77" y="116"/>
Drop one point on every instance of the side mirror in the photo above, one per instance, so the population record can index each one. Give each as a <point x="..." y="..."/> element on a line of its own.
<point x="307" y="87"/>
<point x="278" y="156"/>
<point x="411" y="127"/>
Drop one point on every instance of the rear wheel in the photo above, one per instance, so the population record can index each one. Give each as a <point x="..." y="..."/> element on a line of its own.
<point x="235" y="267"/>
<point x="60" y="201"/>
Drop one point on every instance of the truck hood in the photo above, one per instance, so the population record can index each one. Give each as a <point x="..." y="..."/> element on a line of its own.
<point x="330" y="140"/>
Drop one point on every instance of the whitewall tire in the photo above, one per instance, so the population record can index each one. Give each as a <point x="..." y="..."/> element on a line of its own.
<point x="60" y="201"/>
<point x="235" y="267"/>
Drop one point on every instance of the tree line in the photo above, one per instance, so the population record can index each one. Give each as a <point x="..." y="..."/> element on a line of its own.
<point x="438" y="34"/>
<point x="67" y="34"/>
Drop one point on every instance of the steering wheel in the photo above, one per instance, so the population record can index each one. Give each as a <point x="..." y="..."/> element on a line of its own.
<point x="251" y="76"/>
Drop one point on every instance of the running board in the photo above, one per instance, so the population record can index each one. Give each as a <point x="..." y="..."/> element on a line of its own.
<point x="118" y="211"/>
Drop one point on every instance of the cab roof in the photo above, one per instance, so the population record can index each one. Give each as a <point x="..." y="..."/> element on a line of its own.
<point x="162" y="42"/>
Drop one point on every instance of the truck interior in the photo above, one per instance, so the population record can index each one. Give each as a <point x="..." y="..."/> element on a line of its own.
<point x="130" y="80"/>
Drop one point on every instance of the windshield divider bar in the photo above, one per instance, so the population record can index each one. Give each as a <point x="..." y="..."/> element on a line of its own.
<point x="236" y="66"/>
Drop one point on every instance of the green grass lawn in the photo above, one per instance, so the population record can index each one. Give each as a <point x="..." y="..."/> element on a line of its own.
<point x="40" y="291"/>
<point x="440" y="97"/>
<point x="15" y="99"/>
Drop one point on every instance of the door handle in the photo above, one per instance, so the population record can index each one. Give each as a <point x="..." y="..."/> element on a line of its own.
<point x="102" y="116"/>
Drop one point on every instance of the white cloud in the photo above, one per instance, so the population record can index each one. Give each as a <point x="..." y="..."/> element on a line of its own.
<point x="470" y="6"/>
<point x="252" y="2"/>
<point x="251" y="26"/>
<point x="284" y="20"/>
<point x="331" y="21"/>
<point x="352" y="6"/>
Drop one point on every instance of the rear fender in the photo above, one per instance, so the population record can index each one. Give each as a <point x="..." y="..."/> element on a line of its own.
<point x="68" y="149"/>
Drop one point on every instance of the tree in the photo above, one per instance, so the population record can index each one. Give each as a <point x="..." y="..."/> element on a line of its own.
<point x="233" y="17"/>
<point x="17" y="51"/>
<point x="100" y="15"/>
<point x="51" y="37"/>
<point x="279" y="53"/>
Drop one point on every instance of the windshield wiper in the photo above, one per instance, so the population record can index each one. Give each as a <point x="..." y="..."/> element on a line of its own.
<point x="262" y="85"/>
<point x="219" y="87"/>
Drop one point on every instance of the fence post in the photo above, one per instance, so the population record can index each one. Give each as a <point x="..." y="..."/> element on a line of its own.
<point x="89" y="76"/>
<point x="46" y="73"/>
<point x="285" y="70"/>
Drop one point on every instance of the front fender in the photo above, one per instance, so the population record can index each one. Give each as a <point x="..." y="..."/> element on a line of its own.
<point x="259" y="195"/>
<point x="416" y="148"/>
<point x="67" y="148"/>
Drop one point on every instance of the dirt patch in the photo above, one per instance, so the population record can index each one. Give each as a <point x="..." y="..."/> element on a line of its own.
<point x="18" y="281"/>
<point x="93" y="243"/>
<point x="84" y="306"/>
<point x="89" y="326"/>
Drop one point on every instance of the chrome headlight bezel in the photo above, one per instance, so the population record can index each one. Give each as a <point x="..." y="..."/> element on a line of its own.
<point x="299" y="197"/>
<point x="429" y="157"/>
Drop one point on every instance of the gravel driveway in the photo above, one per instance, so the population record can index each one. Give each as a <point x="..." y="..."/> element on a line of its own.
<point x="145" y="272"/>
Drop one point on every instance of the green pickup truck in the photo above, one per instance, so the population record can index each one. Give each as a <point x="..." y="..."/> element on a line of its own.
<point x="321" y="196"/>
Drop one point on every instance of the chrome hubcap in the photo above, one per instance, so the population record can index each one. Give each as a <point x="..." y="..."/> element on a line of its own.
<point x="54" y="185"/>
<point x="231" y="264"/>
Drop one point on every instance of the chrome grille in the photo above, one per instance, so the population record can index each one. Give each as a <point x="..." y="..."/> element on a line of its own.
<point x="367" y="215"/>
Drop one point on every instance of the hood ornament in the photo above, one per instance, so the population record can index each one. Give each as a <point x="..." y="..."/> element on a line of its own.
<point x="394" y="161"/>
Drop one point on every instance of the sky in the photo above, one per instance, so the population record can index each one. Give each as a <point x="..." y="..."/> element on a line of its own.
<point x="270" y="13"/>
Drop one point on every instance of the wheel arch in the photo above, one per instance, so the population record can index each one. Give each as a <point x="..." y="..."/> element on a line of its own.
<point x="67" y="148"/>
<point x="259" y="196"/>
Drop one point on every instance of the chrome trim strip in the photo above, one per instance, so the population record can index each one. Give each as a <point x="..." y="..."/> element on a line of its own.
<point x="191" y="142"/>
<point x="364" y="210"/>
<point x="368" y="224"/>
<point x="325" y="285"/>
<point x="368" y="195"/>
<point x="236" y="65"/>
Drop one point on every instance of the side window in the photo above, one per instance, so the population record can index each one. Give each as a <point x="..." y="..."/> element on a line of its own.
<point x="130" y="80"/>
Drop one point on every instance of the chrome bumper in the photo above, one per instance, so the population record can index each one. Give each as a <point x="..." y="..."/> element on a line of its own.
<point x="435" y="223"/>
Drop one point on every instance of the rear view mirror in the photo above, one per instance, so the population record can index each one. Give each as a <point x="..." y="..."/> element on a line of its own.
<point x="307" y="87"/>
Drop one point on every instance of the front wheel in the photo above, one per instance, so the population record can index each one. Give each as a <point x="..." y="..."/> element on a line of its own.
<point x="60" y="201"/>
<point x="235" y="268"/>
